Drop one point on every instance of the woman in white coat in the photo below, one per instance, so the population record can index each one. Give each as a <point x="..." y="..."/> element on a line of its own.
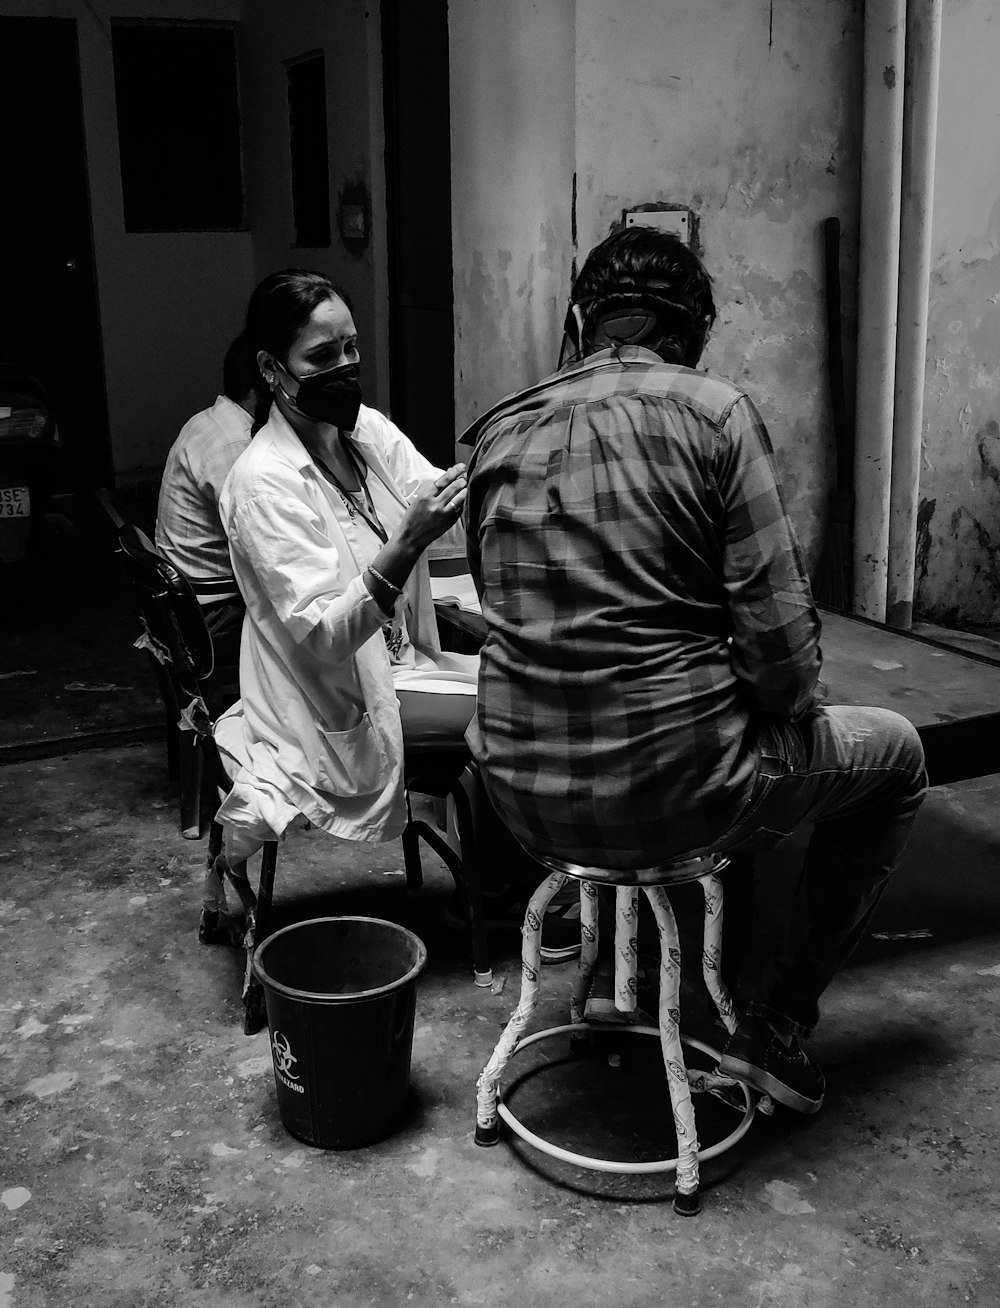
<point x="329" y="513"/>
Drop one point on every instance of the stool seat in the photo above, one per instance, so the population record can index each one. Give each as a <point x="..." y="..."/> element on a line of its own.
<point x="706" y="870"/>
<point x="675" y="873"/>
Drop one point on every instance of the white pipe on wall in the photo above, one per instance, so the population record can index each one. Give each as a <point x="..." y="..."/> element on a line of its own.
<point x="881" y="162"/>
<point x="923" y="51"/>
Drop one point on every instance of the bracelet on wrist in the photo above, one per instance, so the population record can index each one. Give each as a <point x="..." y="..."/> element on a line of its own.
<point x="391" y="586"/>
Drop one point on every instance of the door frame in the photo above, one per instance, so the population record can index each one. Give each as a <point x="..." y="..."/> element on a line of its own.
<point x="394" y="335"/>
<point x="95" y="466"/>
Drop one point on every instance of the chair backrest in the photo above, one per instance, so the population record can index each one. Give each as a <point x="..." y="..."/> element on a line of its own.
<point x="112" y="506"/>
<point x="164" y="600"/>
<point x="169" y="610"/>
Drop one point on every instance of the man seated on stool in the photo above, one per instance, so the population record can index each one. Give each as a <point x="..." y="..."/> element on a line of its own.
<point x="648" y="683"/>
<point x="188" y="527"/>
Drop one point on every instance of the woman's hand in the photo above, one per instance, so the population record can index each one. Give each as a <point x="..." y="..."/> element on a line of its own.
<point x="435" y="508"/>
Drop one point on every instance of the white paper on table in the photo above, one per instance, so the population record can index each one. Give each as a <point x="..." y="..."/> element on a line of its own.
<point x="460" y="591"/>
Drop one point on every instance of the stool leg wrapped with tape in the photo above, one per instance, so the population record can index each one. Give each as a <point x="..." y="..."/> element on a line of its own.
<point x="680" y="1081"/>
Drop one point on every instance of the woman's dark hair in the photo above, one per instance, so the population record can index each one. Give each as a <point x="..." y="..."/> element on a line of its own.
<point x="240" y="374"/>
<point x="279" y="308"/>
<point x="642" y="272"/>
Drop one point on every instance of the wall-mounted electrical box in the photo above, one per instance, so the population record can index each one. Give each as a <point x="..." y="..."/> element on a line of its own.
<point x="675" y="221"/>
<point x="352" y="222"/>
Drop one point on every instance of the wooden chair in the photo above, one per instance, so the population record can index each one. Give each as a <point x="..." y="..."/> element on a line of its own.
<point x="179" y="648"/>
<point x="175" y="637"/>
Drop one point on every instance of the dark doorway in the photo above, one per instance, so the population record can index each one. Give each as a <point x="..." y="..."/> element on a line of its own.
<point x="418" y="185"/>
<point x="48" y="306"/>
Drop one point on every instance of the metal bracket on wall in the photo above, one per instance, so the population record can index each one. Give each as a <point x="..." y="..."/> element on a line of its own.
<point x="675" y="221"/>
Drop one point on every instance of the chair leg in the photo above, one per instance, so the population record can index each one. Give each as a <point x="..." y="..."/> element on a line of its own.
<point x="686" y="1195"/>
<point x="488" y="1085"/>
<point x="173" y="747"/>
<point x="471" y="886"/>
<point x="254" y="1014"/>
<point x="217" y="926"/>
<point x="411" y="852"/>
<point x="191" y="764"/>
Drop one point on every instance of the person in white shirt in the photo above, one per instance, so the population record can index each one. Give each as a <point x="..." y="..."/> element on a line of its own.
<point x="189" y="531"/>
<point x="329" y="512"/>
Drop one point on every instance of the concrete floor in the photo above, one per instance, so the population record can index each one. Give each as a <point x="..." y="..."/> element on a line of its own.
<point x="143" y="1161"/>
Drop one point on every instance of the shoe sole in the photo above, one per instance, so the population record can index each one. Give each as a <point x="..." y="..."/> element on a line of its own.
<point x="509" y="925"/>
<point x="560" y="955"/>
<point x="769" y="1085"/>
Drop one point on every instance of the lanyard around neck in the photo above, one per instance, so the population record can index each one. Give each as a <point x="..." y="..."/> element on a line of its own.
<point x="368" y="513"/>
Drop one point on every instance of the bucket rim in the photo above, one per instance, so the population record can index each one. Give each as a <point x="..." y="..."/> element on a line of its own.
<point x="346" y="997"/>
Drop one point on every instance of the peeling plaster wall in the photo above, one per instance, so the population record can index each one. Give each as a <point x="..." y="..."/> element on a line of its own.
<point x="958" y="554"/>
<point x="748" y="112"/>
<point x="512" y="108"/>
<point x="272" y="33"/>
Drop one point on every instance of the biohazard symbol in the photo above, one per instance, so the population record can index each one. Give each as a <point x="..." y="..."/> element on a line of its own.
<point x="283" y="1056"/>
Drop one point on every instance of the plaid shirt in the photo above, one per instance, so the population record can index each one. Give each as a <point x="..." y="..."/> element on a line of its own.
<point x="645" y="604"/>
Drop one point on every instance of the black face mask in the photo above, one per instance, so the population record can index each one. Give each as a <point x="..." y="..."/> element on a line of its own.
<point x="332" y="396"/>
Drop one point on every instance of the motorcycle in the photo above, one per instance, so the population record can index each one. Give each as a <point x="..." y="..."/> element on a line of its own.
<point x="29" y="449"/>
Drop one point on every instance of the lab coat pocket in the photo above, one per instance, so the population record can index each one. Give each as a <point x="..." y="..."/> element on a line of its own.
<point x="353" y="762"/>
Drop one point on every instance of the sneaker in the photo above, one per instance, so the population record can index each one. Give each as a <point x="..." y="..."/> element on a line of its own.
<point x="755" y="1054"/>
<point x="561" y="938"/>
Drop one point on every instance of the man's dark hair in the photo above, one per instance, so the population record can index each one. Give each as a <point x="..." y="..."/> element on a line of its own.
<point x="240" y="374"/>
<point x="641" y="286"/>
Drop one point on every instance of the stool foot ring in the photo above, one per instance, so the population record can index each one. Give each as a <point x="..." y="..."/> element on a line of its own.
<point x="487" y="1136"/>
<point x="608" y="1165"/>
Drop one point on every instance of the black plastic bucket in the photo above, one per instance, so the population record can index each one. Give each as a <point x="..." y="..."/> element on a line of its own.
<point x="341" y="997"/>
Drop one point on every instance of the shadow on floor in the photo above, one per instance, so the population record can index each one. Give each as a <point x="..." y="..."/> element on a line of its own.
<point x="68" y="669"/>
<point x="145" y="1164"/>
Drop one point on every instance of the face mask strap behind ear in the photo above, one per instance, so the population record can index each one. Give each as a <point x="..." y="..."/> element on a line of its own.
<point x="282" y="371"/>
<point x="572" y="335"/>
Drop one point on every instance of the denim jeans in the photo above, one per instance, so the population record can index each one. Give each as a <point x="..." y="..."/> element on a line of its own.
<point x="858" y="774"/>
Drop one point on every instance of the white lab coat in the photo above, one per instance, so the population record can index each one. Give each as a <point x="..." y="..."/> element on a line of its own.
<point x="317" y="729"/>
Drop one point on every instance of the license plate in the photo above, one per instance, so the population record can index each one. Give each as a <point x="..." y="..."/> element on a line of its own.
<point x="15" y="502"/>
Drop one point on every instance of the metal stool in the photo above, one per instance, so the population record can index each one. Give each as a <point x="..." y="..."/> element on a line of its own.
<point x="654" y="882"/>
